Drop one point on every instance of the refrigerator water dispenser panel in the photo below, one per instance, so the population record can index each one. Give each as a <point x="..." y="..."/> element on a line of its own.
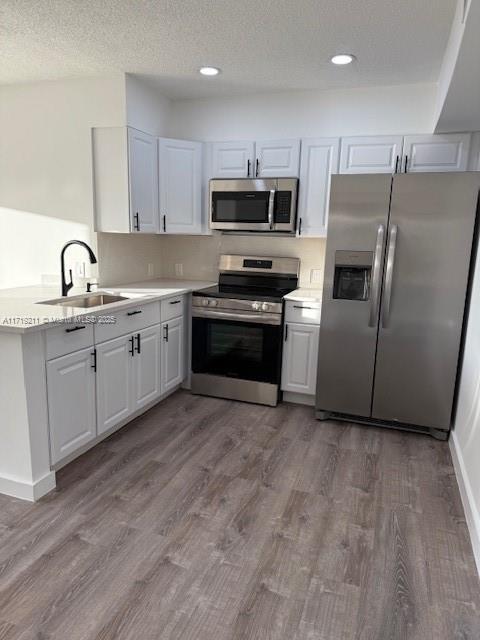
<point x="353" y="270"/>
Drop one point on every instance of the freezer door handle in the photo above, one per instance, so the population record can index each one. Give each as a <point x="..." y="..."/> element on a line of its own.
<point x="387" y="292"/>
<point x="376" y="276"/>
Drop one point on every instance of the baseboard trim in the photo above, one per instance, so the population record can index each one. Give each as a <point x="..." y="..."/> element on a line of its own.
<point x="299" y="398"/>
<point x="25" y="490"/>
<point x="472" y="515"/>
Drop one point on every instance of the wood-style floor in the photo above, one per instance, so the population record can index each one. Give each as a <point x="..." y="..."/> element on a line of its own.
<point x="207" y="519"/>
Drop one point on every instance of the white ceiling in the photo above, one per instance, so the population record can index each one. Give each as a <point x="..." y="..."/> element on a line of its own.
<point x="261" y="45"/>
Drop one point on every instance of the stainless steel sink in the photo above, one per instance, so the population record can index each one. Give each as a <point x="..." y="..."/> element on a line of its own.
<point x="86" y="302"/>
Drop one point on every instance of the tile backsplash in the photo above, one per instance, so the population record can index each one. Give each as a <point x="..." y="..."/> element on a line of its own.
<point x="125" y="258"/>
<point x="199" y="255"/>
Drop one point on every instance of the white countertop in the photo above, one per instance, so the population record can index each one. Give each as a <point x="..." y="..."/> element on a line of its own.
<point x="20" y="310"/>
<point x="305" y="295"/>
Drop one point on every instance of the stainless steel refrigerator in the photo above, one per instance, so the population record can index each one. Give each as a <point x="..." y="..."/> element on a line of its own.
<point x="397" y="265"/>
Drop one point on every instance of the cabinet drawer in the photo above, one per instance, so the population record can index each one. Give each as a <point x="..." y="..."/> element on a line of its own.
<point x="302" y="312"/>
<point x="128" y="321"/>
<point x="67" y="338"/>
<point x="172" y="307"/>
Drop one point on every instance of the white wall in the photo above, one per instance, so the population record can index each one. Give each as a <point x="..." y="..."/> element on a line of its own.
<point x="362" y="111"/>
<point x="46" y="195"/>
<point x="465" y="440"/>
<point x="146" y="108"/>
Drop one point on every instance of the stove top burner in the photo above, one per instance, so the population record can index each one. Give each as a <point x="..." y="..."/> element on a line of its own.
<point x="243" y="293"/>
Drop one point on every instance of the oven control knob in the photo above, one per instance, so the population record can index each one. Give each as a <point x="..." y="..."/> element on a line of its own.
<point x="256" y="306"/>
<point x="214" y="303"/>
<point x="205" y="302"/>
<point x="265" y="306"/>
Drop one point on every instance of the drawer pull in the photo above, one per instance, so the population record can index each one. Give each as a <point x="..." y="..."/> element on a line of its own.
<point x="138" y="343"/>
<point x="133" y="313"/>
<point x="74" y="329"/>
<point x="175" y="302"/>
<point x="132" y="348"/>
<point x="297" y="306"/>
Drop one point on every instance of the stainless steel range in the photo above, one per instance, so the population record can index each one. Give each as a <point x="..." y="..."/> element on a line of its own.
<point x="237" y="329"/>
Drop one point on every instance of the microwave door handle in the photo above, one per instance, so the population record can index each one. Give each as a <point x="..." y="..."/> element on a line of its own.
<point x="376" y="275"/>
<point x="271" y="203"/>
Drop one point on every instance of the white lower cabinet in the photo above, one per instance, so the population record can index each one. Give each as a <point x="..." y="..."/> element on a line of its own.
<point x="71" y="402"/>
<point x="114" y="381"/>
<point x="172" y="354"/>
<point x="300" y="352"/>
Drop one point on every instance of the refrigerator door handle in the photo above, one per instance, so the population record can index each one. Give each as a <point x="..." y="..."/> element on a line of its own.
<point x="392" y="245"/>
<point x="376" y="276"/>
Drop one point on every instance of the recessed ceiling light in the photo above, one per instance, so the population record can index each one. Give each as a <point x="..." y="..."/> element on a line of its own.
<point x="209" y="71"/>
<point x="342" y="58"/>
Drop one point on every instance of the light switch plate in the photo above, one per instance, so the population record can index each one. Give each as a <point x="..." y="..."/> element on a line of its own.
<point x="179" y="269"/>
<point x="316" y="275"/>
<point x="150" y="270"/>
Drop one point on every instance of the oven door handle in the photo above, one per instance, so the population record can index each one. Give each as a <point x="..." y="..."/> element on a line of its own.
<point x="256" y="318"/>
<point x="271" y="203"/>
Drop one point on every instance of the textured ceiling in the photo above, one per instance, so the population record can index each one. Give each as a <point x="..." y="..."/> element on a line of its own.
<point x="261" y="45"/>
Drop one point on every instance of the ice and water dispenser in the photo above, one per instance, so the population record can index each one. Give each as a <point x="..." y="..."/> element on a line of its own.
<point x="353" y="271"/>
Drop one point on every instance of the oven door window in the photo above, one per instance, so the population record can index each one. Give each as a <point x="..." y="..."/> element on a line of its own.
<point x="248" y="351"/>
<point x="242" y="206"/>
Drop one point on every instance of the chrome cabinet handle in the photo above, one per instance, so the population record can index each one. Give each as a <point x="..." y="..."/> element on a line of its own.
<point x="387" y="290"/>
<point x="377" y="268"/>
<point x="271" y="202"/>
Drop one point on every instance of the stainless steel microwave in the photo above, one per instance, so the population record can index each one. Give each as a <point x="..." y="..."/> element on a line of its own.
<point x="254" y="205"/>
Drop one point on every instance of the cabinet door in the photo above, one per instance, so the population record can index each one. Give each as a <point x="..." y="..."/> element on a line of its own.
<point x="232" y="159"/>
<point x="474" y="162"/>
<point x="434" y="153"/>
<point x="71" y="402"/>
<point x="180" y="167"/>
<point x="143" y="182"/>
<point x="114" y="371"/>
<point x="146" y="367"/>
<point x="277" y="158"/>
<point x="371" y="154"/>
<point x="319" y="159"/>
<point x="172" y="354"/>
<point x="300" y="353"/>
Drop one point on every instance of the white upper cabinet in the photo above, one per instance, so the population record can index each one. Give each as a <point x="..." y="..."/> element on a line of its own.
<point x="277" y="158"/>
<point x="249" y="159"/>
<point x="71" y="402"/>
<point x="180" y="186"/>
<point x="125" y="176"/>
<point x="434" y="153"/>
<point x="232" y="159"/>
<point x="143" y="182"/>
<point x="319" y="159"/>
<point x="371" y="154"/>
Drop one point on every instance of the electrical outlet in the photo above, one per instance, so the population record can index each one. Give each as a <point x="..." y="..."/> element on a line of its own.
<point x="179" y="269"/>
<point x="150" y="269"/>
<point x="316" y="275"/>
<point x="80" y="269"/>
